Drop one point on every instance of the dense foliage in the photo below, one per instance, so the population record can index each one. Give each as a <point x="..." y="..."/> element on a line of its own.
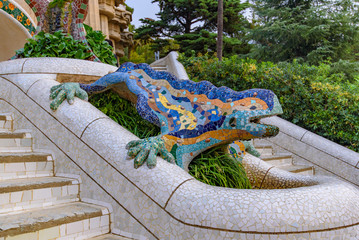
<point x="54" y="45"/>
<point x="312" y="30"/>
<point x="314" y="97"/>
<point x="63" y="45"/>
<point x="101" y="48"/>
<point x="212" y="167"/>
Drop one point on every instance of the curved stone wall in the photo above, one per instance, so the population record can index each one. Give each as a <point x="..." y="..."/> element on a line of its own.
<point x="24" y="17"/>
<point x="15" y="27"/>
<point x="173" y="65"/>
<point x="164" y="202"/>
<point x="315" y="150"/>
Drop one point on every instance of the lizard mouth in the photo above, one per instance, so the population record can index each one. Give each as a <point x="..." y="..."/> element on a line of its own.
<point x="267" y="130"/>
<point x="254" y="120"/>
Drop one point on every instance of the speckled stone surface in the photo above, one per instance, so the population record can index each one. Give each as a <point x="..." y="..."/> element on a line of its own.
<point x="33" y="183"/>
<point x="63" y="65"/>
<point x="46" y="217"/>
<point x="165" y="202"/>
<point x="110" y="237"/>
<point x="23" y="157"/>
<point x="25" y="81"/>
<point x="81" y="120"/>
<point x="316" y="150"/>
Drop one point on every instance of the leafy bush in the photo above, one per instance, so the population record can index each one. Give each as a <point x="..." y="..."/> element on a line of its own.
<point x="63" y="45"/>
<point x="314" y="97"/>
<point x="101" y="48"/>
<point x="212" y="167"/>
<point x="54" y="45"/>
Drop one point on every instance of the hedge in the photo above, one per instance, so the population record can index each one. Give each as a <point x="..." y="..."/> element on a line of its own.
<point x="317" y="98"/>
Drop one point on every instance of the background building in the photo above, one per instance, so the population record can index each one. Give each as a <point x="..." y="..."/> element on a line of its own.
<point x="18" y="22"/>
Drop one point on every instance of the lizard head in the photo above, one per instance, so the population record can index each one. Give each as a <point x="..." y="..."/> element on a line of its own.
<point x="247" y="110"/>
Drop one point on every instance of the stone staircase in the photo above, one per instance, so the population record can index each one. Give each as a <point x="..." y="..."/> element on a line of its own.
<point x="280" y="160"/>
<point x="160" y="67"/>
<point x="35" y="204"/>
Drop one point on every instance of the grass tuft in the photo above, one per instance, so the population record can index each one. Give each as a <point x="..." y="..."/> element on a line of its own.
<point x="216" y="168"/>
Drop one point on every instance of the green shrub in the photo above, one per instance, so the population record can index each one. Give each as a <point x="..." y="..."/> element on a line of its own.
<point x="63" y="45"/>
<point x="54" y="45"/>
<point x="212" y="167"/>
<point x="101" y="48"/>
<point x="314" y="97"/>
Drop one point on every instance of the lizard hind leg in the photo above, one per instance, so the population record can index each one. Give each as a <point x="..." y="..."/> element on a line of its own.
<point x="238" y="149"/>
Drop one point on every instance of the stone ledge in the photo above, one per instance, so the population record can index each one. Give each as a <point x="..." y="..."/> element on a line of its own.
<point x="24" y="157"/>
<point x="55" y="65"/>
<point x="22" y="184"/>
<point x="32" y="221"/>
<point x="320" y="151"/>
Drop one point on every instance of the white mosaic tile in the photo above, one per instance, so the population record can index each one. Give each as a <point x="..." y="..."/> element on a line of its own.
<point x="68" y="66"/>
<point x="345" y="168"/>
<point x="12" y="66"/>
<point x="25" y="81"/>
<point x="297" y="209"/>
<point x="77" y="116"/>
<point x="158" y="183"/>
<point x="286" y="127"/>
<point x="5" y="92"/>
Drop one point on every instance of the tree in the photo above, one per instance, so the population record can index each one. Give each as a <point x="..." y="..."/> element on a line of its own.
<point x="220" y="30"/>
<point x="183" y="19"/>
<point x="313" y="30"/>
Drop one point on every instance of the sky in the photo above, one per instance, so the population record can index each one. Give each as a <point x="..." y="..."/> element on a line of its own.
<point x="143" y="9"/>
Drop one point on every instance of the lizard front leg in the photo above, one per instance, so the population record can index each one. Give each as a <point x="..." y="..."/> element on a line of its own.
<point x="147" y="149"/>
<point x="67" y="91"/>
<point x="70" y="90"/>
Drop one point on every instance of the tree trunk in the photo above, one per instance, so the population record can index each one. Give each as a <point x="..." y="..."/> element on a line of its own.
<point x="220" y="30"/>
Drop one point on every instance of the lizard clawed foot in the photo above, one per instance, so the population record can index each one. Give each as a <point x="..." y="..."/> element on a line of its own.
<point x="251" y="149"/>
<point x="66" y="91"/>
<point x="147" y="150"/>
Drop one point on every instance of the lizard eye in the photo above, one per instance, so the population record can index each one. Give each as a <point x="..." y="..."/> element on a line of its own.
<point x="253" y="108"/>
<point x="233" y="122"/>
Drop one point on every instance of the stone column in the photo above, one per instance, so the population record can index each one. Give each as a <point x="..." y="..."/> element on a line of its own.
<point x="107" y="12"/>
<point x="93" y="15"/>
<point x="121" y="21"/>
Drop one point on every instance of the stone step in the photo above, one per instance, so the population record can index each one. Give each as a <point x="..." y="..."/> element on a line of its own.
<point x="68" y="221"/>
<point x="25" y="164"/>
<point x="300" y="169"/>
<point x="110" y="237"/>
<point x="160" y="68"/>
<point x="264" y="149"/>
<point x="6" y="122"/>
<point x="19" y="141"/>
<point x="278" y="160"/>
<point x="21" y="194"/>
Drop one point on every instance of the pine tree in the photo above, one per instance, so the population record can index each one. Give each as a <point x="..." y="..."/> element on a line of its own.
<point x="189" y="21"/>
<point x="312" y="30"/>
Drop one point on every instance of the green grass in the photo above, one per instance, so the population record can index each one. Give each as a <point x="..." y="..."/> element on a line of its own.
<point x="216" y="168"/>
<point x="124" y="113"/>
<point x="212" y="167"/>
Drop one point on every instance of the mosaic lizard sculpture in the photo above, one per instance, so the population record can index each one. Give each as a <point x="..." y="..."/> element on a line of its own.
<point x="193" y="116"/>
